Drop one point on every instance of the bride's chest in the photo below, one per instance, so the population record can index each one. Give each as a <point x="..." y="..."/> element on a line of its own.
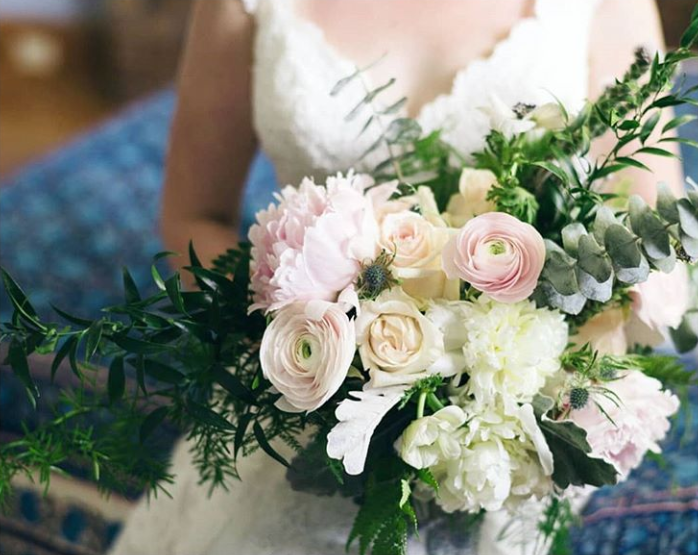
<point x="304" y="128"/>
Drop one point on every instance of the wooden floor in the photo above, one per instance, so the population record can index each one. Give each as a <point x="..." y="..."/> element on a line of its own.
<point x="39" y="112"/>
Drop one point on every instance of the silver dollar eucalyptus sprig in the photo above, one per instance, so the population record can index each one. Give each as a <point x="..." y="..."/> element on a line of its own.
<point x="618" y="252"/>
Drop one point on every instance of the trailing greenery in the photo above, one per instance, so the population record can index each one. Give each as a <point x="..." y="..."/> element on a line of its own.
<point x="193" y="355"/>
<point x="555" y="526"/>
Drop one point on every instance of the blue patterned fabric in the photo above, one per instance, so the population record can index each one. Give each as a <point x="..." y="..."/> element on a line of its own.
<point x="70" y="221"/>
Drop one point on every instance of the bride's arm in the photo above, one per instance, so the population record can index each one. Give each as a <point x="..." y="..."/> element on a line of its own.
<point x="619" y="28"/>
<point x="212" y="141"/>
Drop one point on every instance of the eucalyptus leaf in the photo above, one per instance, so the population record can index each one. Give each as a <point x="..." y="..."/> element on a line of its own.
<point x="688" y="217"/>
<point x="559" y="269"/>
<point x="593" y="260"/>
<point x="594" y="290"/>
<point x="604" y="219"/>
<point x="571" y="235"/>
<point x="690" y="245"/>
<point x="546" y="295"/>
<point x="622" y="247"/>
<point x="667" y="264"/>
<point x="632" y="276"/>
<point x="656" y="240"/>
<point x="685" y="337"/>
<point x="666" y="204"/>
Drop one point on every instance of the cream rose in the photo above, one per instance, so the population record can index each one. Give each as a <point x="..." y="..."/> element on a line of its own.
<point x="416" y="241"/>
<point x="397" y="343"/>
<point x="306" y="353"/>
<point x="471" y="199"/>
<point x="498" y="255"/>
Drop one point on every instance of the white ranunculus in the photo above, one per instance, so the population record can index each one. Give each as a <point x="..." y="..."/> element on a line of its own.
<point x="306" y="353"/>
<point x="471" y="199"/>
<point x="450" y="317"/>
<point x="432" y="439"/>
<point x="504" y="462"/>
<point x="397" y="343"/>
<point x="511" y="349"/>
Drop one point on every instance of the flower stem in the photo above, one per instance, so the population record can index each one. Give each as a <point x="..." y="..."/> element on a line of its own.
<point x="434" y="403"/>
<point x="420" y="404"/>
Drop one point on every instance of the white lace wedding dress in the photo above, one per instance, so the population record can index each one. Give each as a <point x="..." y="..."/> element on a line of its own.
<point x="302" y="129"/>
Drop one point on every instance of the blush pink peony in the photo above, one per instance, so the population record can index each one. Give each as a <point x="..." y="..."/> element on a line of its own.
<point x="310" y="245"/>
<point x="498" y="255"/>
<point x="639" y="421"/>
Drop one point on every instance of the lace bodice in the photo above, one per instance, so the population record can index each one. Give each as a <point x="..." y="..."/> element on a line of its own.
<point x="302" y="128"/>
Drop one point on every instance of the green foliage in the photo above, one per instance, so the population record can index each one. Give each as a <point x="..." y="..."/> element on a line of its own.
<point x="570" y="449"/>
<point x="386" y="512"/>
<point x="555" y="525"/>
<point x="617" y="253"/>
<point x="194" y="355"/>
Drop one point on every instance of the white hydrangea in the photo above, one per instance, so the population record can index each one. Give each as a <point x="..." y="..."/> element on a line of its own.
<point x="511" y="349"/>
<point x="504" y="461"/>
<point x="432" y="439"/>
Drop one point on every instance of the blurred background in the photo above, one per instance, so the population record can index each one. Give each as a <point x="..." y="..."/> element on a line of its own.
<point x="86" y="100"/>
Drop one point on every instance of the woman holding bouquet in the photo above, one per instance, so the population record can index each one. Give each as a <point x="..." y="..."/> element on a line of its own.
<point x="259" y="74"/>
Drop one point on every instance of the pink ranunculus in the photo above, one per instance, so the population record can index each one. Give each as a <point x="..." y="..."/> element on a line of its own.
<point x="630" y="427"/>
<point x="310" y="245"/>
<point x="306" y="353"/>
<point x="498" y="255"/>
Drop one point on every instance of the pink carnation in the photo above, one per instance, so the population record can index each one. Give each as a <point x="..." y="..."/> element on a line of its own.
<point x="640" y="420"/>
<point x="310" y="245"/>
<point x="498" y="255"/>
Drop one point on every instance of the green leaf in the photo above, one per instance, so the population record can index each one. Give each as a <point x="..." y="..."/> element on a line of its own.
<point x="82" y="322"/>
<point x="571" y="236"/>
<point x="151" y="422"/>
<point x="94" y="339"/>
<point x="232" y="384"/>
<point x="394" y="108"/>
<point x="570" y="449"/>
<point x="138" y="346"/>
<point x="403" y="131"/>
<point x="655" y="237"/>
<point x="173" y="286"/>
<point x="593" y="289"/>
<point x="648" y="126"/>
<point x="61" y="354"/>
<point x="666" y="204"/>
<point x="622" y="247"/>
<point x="19" y="300"/>
<point x="162" y="372"/>
<point x="555" y="170"/>
<point x="17" y="359"/>
<point x="242" y="425"/>
<point x="117" y="380"/>
<point x="130" y="289"/>
<point x="157" y="278"/>
<point x="653" y="151"/>
<point x="208" y="416"/>
<point x="690" y="35"/>
<point x="678" y="122"/>
<point x="370" y="97"/>
<point x="688" y="217"/>
<point x="593" y="260"/>
<point x="559" y="269"/>
<point x="266" y="447"/>
<point x="685" y="337"/>
<point x="343" y="82"/>
<point x="626" y="161"/>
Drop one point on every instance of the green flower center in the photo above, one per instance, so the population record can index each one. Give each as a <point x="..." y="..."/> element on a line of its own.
<point x="497" y="248"/>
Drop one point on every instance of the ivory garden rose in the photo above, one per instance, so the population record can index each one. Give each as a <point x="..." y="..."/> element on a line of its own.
<point x="471" y="199"/>
<point x="306" y="353"/>
<point x="498" y="255"/>
<point x="397" y="343"/>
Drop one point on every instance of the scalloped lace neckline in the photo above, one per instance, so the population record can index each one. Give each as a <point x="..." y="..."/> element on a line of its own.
<point x="341" y="59"/>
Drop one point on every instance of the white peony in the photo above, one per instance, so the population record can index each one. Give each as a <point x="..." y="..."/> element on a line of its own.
<point x="432" y="439"/>
<point x="397" y="343"/>
<point x="511" y="349"/>
<point x="306" y="353"/>
<point x="504" y="461"/>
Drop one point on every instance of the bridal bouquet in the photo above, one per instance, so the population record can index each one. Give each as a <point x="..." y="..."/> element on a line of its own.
<point x="465" y="334"/>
